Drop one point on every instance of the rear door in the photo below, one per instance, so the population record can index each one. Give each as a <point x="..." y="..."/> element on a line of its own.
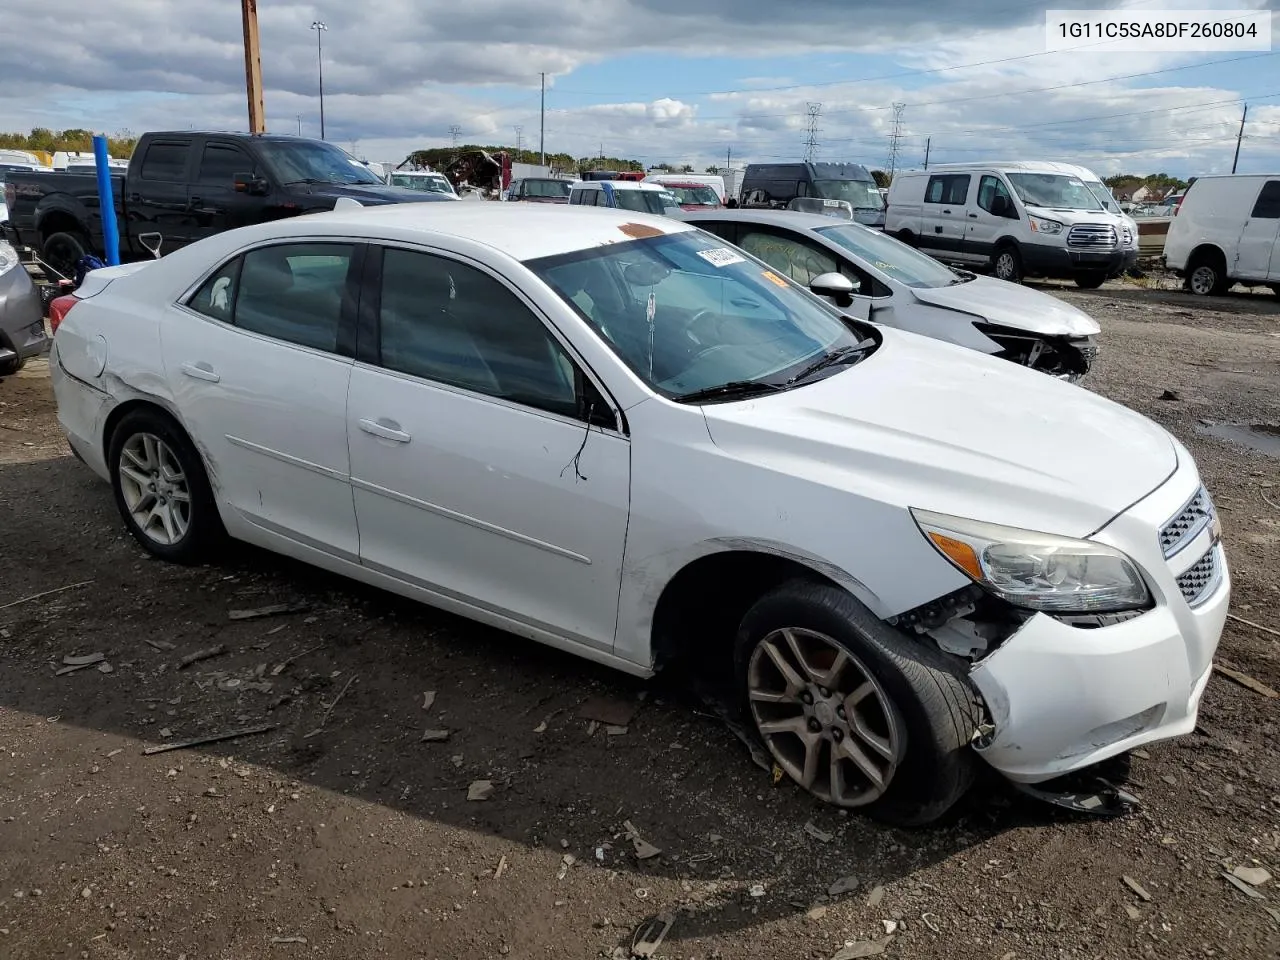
<point x="156" y="194"/>
<point x="1257" y="257"/>
<point x="215" y="204"/>
<point x="944" y="221"/>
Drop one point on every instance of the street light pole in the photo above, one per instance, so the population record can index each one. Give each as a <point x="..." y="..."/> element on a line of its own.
<point x="319" y="27"/>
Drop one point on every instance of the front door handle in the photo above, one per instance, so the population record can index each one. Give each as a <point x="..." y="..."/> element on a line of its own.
<point x="201" y="371"/>
<point x="946" y="211"/>
<point x="973" y="216"/>
<point x="386" y="429"/>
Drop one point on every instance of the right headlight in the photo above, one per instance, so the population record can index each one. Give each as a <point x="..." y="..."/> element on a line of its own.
<point x="1040" y="225"/>
<point x="1037" y="571"/>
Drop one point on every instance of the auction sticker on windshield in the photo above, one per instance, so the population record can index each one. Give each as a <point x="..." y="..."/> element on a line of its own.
<point x="721" y="257"/>
<point x="774" y="278"/>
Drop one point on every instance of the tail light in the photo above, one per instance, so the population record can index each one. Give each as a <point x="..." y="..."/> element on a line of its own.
<point x="59" y="307"/>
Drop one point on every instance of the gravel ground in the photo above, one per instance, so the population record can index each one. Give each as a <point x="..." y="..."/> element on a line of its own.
<point x="340" y="833"/>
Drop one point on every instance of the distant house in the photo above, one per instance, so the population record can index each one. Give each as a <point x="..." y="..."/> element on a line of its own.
<point x="1136" y="193"/>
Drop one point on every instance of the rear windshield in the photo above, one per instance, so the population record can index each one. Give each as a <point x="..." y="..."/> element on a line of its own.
<point x="700" y="195"/>
<point x="554" y="189"/>
<point x="642" y="201"/>
<point x="859" y="194"/>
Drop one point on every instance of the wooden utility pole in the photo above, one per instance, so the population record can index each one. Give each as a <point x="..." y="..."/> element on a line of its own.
<point x="928" y="142"/>
<point x="253" y="67"/>
<point x="1240" y="136"/>
<point x="542" y="123"/>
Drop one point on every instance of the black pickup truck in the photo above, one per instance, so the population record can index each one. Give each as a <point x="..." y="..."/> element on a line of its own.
<point x="185" y="186"/>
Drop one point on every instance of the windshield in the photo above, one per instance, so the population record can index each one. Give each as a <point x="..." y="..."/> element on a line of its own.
<point x="553" y="189"/>
<point x="1099" y="190"/>
<point x="860" y="194"/>
<point x="294" y="161"/>
<point x="425" y="184"/>
<point x="687" y="313"/>
<point x="1054" y="190"/>
<point x="700" y="195"/>
<point x="890" y="256"/>
<point x="641" y="201"/>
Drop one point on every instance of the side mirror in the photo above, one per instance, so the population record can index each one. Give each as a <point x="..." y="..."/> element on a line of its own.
<point x="248" y="183"/>
<point x="836" y="286"/>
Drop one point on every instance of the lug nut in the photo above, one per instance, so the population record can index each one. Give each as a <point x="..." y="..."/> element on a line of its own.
<point x="824" y="691"/>
<point x="814" y="725"/>
<point x="837" y="735"/>
<point x="806" y="697"/>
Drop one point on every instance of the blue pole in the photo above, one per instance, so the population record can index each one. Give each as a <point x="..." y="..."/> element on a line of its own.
<point x="106" y="203"/>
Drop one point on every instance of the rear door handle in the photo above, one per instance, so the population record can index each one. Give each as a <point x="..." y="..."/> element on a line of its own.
<point x="201" y="371"/>
<point x="946" y="211"/>
<point x="386" y="429"/>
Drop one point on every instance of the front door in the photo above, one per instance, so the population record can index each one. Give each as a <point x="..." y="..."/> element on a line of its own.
<point x="1257" y="256"/>
<point x="259" y="361"/>
<point x="989" y="218"/>
<point x="215" y="204"/>
<point x="475" y="471"/>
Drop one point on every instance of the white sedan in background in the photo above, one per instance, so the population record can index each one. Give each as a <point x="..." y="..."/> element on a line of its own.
<point x="609" y="432"/>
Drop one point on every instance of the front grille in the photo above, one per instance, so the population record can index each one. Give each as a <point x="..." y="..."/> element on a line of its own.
<point x="1199" y="582"/>
<point x="1092" y="236"/>
<point x="1187" y="523"/>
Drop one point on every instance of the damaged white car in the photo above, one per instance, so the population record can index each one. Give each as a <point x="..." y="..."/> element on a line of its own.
<point x="608" y="432"/>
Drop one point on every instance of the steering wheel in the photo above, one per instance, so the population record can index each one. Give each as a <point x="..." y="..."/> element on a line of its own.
<point x="708" y="318"/>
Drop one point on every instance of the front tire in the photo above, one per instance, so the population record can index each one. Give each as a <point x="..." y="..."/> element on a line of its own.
<point x="1007" y="264"/>
<point x="1207" y="277"/>
<point x="162" y="490"/>
<point x="1090" y="280"/>
<point x="63" y="250"/>
<point x="858" y="714"/>
<point x="11" y="366"/>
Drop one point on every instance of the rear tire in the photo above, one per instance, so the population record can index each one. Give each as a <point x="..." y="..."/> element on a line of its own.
<point x="63" y="250"/>
<point x="162" y="490"/>
<point x="1207" y="276"/>
<point x="1091" y="280"/>
<point x="1006" y="264"/>
<point x="11" y="366"/>
<point x="907" y="237"/>
<point x="909" y="708"/>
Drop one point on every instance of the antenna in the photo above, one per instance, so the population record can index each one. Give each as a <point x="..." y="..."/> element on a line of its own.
<point x="455" y="131"/>
<point x="895" y="138"/>
<point x="811" y="132"/>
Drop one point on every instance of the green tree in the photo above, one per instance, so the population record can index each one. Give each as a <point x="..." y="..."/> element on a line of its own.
<point x="881" y="178"/>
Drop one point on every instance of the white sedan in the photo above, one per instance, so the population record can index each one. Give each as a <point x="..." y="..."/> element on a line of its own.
<point x="610" y="433"/>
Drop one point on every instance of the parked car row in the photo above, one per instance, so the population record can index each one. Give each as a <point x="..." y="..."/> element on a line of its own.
<point x="635" y="440"/>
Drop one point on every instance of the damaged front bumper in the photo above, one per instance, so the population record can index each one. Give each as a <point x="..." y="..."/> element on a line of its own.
<point x="1065" y="693"/>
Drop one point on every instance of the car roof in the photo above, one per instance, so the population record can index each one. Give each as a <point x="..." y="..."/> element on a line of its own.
<point x="792" y="219"/>
<point x="523" y="231"/>
<point x="1023" y="166"/>
<point x="617" y="185"/>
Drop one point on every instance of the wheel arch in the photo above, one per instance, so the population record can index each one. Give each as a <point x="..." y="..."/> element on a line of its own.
<point x="1207" y="250"/>
<point x="123" y="409"/>
<point x="59" y="220"/>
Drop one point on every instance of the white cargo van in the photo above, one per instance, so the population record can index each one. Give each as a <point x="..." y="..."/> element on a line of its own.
<point x="1017" y="218"/>
<point x="1227" y="231"/>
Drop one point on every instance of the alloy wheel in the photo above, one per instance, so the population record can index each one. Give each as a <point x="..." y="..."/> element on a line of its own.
<point x="1006" y="267"/>
<point x="155" y="489"/>
<point x="824" y="717"/>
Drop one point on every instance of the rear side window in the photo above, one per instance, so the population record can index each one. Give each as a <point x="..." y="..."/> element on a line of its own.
<point x="216" y="297"/>
<point x="1268" y="205"/>
<point x="166" y="161"/>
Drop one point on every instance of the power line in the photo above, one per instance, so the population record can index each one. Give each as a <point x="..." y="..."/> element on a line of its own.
<point x="811" y="132"/>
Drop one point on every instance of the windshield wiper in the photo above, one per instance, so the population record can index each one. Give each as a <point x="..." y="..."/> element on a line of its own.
<point x="725" y="391"/>
<point x="830" y="360"/>
<point x="290" y="183"/>
<point x="962" y="276"/>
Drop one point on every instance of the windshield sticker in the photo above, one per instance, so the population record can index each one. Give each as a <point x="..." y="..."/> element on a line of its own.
<point x="721" y="257"/>
<point x="773" y="278"/>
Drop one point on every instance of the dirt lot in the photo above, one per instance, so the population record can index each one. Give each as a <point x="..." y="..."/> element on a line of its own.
<point x="359" y="841"/>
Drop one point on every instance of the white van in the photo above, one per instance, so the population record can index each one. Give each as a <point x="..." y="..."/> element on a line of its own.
<point x="1018" y="218"/>
<point x="626" y="194"/>
<point x="1227" y="231"/>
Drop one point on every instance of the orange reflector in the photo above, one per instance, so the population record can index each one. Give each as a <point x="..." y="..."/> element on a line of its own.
<point x="959" y="553"/>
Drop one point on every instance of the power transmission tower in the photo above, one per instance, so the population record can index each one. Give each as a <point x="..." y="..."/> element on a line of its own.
<point x="519" y="140"/>
<point x="895" y="138"/>
<point x="811" y="132"/>
<point x="455" y="131"/>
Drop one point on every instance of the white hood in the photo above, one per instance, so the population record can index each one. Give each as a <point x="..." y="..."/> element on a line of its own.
<point x="1011" y="305"/>
<point x="931" y="425"/>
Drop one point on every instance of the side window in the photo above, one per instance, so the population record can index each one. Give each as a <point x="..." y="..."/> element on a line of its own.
<point x="165" y="161"/>
<point x="1268" y="205"/>
<point x="958" y="190"/>
<point x="936" y="190"/>
<point x="448" y="322"/>
<point x="220" y="163"/>
<point x="294" y="292"/>
<point x="793" y="257"/>
<point x="989" y="188"/>
<point x="216" y="297"/>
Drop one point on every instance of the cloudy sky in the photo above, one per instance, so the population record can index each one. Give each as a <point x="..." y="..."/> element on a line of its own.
<point x="678" y="81"/>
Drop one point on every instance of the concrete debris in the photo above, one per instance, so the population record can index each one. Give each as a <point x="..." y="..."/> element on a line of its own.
<point x="820" y="835"/>
<point x="615" y="731"/>
<point x="891" y="926"/>
<point x="106" y="668"/>
<point x="435" y="736"/>
<point x="428" y="700"/>
<point x="271" y="610"/>
<point x="165" y="733"/>
<point x="876" y="897"/>
<point x="757" y="890"/>
<point x="1133" y="912"/>
<point x="816" y="913"/>
<point x="1243" y="887"/>
<point x="863" y="948"/>
<point x="842" y="886"/>
<point x="1136" y="887"/>
<point x="567" y="861"/>
<point x="609" y="711"/>
<point x="1254" y="876"/>
<point x="480" y="790"/>
<point x="541" y="728"/>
